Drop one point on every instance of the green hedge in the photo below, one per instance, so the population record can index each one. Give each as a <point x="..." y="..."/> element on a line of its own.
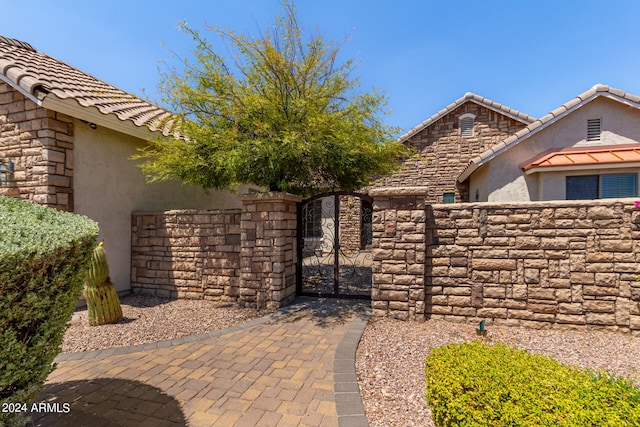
<point x="473" y="384"/>
<point x="43" y="256"/>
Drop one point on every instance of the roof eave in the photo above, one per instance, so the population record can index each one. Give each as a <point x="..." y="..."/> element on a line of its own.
<point x="20" y="89"/>
<point x="72" y="108"/>
<point x="486" y="157"/>
<point x="466" y="173"/>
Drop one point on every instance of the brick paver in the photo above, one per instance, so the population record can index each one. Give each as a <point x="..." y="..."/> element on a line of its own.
<point x="277" y="370"/>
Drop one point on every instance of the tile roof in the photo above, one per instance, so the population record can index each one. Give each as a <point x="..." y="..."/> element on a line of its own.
<point x="608" y="155"/>
<point x="41" y="77"/>
<point x="470" y="97"/>
<point x="541" y="123"/>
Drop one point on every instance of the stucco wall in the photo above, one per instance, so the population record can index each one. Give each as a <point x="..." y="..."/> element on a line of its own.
<point x="502" y="179"/>
<point x="108" y="187"/>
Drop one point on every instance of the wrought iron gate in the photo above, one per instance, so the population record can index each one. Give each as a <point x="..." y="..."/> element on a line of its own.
<point x="334" y="245"/>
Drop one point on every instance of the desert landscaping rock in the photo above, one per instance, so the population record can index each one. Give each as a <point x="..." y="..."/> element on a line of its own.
<point x="149" y="319"/>
<point x="390" y="360"/>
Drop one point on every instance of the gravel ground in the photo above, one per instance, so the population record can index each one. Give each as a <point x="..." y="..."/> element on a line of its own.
<point x="391" y="354"/>
<point x="147" y="319"/>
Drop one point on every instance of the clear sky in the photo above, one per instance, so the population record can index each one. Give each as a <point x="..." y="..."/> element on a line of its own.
<point x="529" y="55"/>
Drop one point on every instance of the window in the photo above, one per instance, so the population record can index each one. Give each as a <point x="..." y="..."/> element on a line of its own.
<point x="449" y="198"/>
<point x="620" y="185"/>
<point x="582" y="187"/>
<point x="601" y="186"/>
<point x="594" y="129"/>
<point x="466" y="124"/>
<point x="312" y="214"/>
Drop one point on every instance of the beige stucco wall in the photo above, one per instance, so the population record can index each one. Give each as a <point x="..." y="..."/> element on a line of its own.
<point x="108" y="187"/>
<point x="502" y="179"/>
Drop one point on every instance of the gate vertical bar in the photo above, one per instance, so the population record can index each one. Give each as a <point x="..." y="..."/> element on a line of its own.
<point x="299" y="254"/>
<point x="336" y="245"/>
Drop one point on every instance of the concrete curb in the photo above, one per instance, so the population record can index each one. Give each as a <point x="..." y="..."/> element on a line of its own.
<point x="349" y="406"/>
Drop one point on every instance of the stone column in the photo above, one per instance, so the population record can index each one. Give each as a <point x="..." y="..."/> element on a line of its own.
<point x="398" y="288"/>
<point x="39" y="142"/>
<point x="268" y="228"/>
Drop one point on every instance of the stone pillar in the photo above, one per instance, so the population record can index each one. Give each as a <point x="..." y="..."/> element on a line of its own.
<point x="39" y="142"/>
<point x="268" y="228"/>
<point x="398" y="288"/>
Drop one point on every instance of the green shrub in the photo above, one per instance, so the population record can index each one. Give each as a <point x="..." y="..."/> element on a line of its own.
<point x="473" y="384"/>
<point x="43" y="257"/>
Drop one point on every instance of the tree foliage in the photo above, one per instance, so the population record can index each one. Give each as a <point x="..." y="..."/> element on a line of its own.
<point x="276" y="110"/>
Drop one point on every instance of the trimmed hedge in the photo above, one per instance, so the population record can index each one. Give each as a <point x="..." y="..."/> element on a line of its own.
<point x="473" y="384"/>
<point x="43" y="257"/>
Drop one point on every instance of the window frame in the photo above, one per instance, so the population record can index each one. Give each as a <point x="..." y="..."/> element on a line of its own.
<point x="600" y="190"/>
<point x="451" y="195"/>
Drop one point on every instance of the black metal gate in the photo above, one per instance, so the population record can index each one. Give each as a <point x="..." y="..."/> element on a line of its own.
<point x="334" y="245"/>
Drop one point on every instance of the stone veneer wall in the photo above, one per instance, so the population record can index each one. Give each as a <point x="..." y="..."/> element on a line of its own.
<point x="40" y="143"/>
<point x="268" y="255"/>
<point x="350" y="224"/>
<point x="186" y="254"/>
<point x="244" y="255"/>
<point x="534" y="264"/>
<point x="399" y="248"/>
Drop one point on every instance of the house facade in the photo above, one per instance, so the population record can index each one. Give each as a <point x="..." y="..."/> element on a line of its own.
<point x="476" y="150"/>
<point x="588" y="148"/>
<point x="65" y="142"/>
<point x="446" y="141"/>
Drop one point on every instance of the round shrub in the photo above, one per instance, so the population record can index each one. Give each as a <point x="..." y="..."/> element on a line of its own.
<point x="474" y="384"/>
<point x="43" y="258"/>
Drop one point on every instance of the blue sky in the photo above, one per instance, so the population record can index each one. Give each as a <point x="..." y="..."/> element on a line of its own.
<point x="529" y="55"/>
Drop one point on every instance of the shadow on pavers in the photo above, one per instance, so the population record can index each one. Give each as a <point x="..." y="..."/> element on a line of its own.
<point x="105" y="402"/>
<point x="325" y="312"/>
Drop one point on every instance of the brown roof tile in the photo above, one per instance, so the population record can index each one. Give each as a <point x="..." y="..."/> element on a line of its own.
<point x="41" y="76"/>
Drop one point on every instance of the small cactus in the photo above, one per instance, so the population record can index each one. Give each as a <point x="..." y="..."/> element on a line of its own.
<point x="102" y="299"/>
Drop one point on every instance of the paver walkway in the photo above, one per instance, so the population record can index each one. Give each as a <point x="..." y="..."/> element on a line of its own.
<point x="289" y="368"/>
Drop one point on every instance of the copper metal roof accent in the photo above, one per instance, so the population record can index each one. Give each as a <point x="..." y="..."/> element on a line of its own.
<point x="584" y="156"/>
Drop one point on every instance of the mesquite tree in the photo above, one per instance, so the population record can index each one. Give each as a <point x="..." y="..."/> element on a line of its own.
<point x="276" y="110"/>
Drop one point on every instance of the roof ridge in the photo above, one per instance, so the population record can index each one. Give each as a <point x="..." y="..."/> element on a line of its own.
<point x="17" y="43"/>
<point x="469" y="97"/>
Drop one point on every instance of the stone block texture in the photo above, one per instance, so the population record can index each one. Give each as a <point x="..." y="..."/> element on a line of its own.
<point x="350" y="224"/>
<point x="268" y="229"/>
<point x="572" y="264"/>
<point x="442" y="152"/>
<point x="186" y="254"/>
<point x="398" y="268"/>
<point x="40" y="143"/>
<point x="242" y="255"/>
